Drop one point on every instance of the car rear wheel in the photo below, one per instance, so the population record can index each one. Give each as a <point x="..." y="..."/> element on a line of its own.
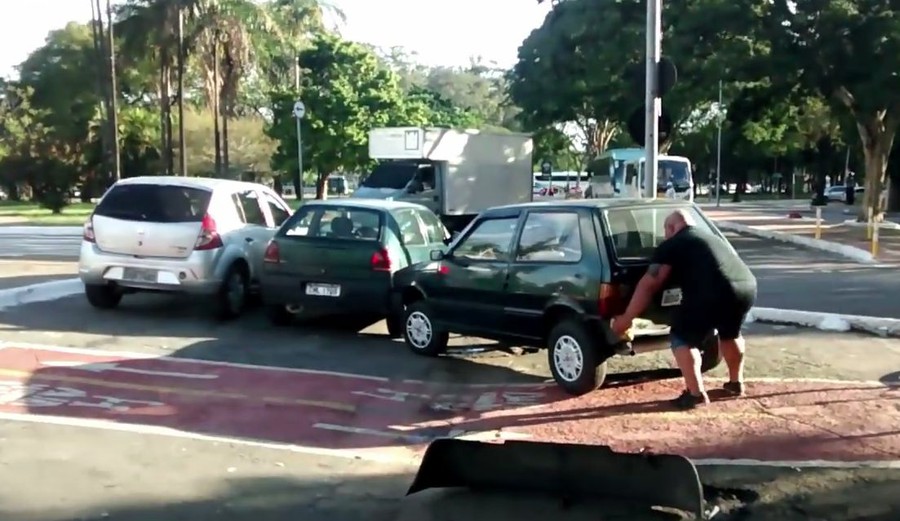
<point x="232" y="297"/>
<point x="420" y="333"/>
<point x="574" y="361"/>
<point x="102" y="296"/>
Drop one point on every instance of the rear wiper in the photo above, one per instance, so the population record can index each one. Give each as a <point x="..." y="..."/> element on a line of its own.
<point x="126" y="215"/>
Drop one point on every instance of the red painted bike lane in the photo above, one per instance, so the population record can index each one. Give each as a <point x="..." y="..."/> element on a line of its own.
<point x="780" y="421"/>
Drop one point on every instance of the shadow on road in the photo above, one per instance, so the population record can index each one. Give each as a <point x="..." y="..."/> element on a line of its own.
<point x="742" y="494"/>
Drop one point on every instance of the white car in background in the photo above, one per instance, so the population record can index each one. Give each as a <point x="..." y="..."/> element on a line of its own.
<point x="168" y="234"/>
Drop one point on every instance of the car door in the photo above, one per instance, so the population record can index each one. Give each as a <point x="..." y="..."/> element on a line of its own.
<point x="469" y="291"/>
<point x="435" y="232"/>
<point x="546" y="265"/>
<point x="256" y="230"/>
<point x="412" y="235"/>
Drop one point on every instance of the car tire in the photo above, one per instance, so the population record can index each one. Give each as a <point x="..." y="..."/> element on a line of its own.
<point x="395" y="326"/>
<point x="102" y="296"/>
<point x="710" y="355"/>
<point x="568" y="343"/>
<point x="233" y="293"/>
<point x="419" y="332"/>
<point x="279" y="315"/>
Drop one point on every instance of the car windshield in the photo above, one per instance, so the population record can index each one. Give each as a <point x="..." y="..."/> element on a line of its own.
<point x="154" y="203"/>
<point x="393" y="175"/>
<point x="336" y="222"/>
<point x="636" y="232"/>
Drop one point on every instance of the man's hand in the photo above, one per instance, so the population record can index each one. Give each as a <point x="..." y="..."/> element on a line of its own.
<point x="621" y="324"/>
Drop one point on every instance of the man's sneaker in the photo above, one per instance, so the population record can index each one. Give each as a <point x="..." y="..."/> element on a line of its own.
<point x="688" y="401"/>
<point x="734" y="388"/>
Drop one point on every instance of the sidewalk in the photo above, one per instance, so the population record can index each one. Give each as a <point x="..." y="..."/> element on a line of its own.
<point x="844" y="234"/>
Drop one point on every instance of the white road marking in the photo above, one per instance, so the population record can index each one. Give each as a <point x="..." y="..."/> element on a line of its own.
<point x="101" y="367"/>
<point x="373" y="432"/>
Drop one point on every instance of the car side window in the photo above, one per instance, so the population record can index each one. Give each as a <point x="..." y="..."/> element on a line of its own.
<point x="489" y="240"/>
<point x="550" y="237"/>
<point x="410" y="229"/>
<point x="300" y="223"/>
<point x="251" y="210"/>
<point x="279" y="214"/>
<point x="434" y="230"/>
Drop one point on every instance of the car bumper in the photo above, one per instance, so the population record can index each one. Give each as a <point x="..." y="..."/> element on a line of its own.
<point x="193" y="275"/>
<point x="356" y="296"/>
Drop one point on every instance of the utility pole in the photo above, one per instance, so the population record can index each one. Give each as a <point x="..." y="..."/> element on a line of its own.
<point x="652" y="102"/>
<point x="99" y="45"/>
<point x="113" y="106"/>
<point x="719" y="149"/>
<point x="181" y="141"/>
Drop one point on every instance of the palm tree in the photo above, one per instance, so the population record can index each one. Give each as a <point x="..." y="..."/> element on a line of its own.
<point x="150" y="30"/>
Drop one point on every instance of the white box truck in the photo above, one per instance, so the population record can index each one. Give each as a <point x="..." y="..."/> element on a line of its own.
<point x="456" y="173"/>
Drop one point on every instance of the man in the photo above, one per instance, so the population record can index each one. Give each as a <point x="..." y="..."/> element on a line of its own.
<point x="717" y="291"/>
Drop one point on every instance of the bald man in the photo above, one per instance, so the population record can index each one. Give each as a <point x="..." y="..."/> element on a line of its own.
<point x="717" y="292"/>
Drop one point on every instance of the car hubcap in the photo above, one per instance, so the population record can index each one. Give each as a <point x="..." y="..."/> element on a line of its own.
<point x="418" y="330"/>
<point x="236" y="292"/>
<point x="567" y="358"/>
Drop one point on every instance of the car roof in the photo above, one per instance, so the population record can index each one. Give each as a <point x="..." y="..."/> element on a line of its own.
<point x="594" y="204"/>
<point x="207" y="183"/>
<point x="371" y="204"/>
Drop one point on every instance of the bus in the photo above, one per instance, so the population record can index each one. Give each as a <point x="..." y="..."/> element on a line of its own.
<point x="557" y="184"/>
<point x="619" y="173"/>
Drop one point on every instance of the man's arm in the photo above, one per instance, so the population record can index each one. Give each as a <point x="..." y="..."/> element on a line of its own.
<point x="647" y="287"/>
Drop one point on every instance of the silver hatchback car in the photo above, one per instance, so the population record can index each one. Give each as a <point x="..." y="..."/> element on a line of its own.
<point x="182" y="235"/>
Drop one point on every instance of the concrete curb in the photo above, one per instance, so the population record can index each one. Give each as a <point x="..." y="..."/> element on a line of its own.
<point x="827" y="321"/>
<point x="42" y="231"/>
<point x="887" y="225"/>
<point x="849" y="252"/>
<point x="42" y="292"/>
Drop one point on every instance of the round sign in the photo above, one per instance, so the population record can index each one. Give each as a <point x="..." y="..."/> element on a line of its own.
<point x="546" y="167"/>
<point x="299" y="110"/>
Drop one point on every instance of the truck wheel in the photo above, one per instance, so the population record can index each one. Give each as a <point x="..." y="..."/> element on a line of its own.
<point x="576" y="365"/>
<point x="420" y="333"/>
<point x="710" y="355"/>
<point x="102" y="296"/>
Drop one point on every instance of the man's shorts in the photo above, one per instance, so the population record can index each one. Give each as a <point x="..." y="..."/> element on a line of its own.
<point x="692" y="327"/>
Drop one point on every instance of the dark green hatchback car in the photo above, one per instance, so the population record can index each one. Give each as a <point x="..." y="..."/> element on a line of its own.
<point x="339" y="257"/>
<point x="548" y="274"/>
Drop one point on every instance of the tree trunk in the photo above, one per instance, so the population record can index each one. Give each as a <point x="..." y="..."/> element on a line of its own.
<point x="877" y="135"/>
<point x="226" y="163"/>
<point x="321" y="192"/>
<point x="170" y="141"/>
<point x="215" y="107"/>
<point x="164" y="109"/>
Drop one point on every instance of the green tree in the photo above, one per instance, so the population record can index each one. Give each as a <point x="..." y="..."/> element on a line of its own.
<point x="426" y="108"/>
<point x="347" y="92"/>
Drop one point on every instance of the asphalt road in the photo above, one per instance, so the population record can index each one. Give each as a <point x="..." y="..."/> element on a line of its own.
<point x="791" y="277"/>
<point x="59" y="471"/>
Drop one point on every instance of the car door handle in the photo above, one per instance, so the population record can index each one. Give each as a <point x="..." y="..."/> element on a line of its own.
<point x="249" y="239"/>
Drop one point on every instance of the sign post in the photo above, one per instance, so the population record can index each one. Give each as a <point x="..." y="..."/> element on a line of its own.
<point x="652" y="102"/>
<point x="299" y="112"/>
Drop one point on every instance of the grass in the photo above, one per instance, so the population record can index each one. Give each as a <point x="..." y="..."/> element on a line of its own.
<point x="32" y="213"/>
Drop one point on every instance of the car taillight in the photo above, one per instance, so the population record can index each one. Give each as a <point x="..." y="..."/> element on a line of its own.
<point x="381" y="260"/>
<point x="209" y="238"/>
<point x="609" y="302"/>
<point x="87" y="231"/>
<point x="273" y="253"/>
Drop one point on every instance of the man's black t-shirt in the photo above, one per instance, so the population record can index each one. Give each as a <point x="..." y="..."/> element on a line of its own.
<point x="707" y="270"/>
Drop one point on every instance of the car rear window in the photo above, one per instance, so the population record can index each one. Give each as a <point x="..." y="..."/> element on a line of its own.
<point x="636" y="232"/>
<point x="154" y="203"/>
<point x="336" y="222"/>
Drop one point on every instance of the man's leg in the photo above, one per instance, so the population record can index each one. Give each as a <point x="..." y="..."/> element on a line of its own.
<point x="732" y="347"/>
<point x="688" y="359"/>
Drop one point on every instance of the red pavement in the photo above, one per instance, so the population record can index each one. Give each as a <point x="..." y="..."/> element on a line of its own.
<point x="780" y="421"/>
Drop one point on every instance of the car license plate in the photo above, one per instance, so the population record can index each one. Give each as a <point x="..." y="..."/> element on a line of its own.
<point x="139" y="275"/>
<point x="671" y="297"/>
<point x="323" y="290"/>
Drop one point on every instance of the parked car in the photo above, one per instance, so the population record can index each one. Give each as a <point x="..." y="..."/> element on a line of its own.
<point x="181" y="235"/>
<point x="547" y="274"/>
<point x="839" y="192"/>
<point x="339" y="257"/>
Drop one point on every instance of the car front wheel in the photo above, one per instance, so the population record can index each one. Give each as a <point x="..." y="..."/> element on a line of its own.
<point x="421" y="335"/>
<point x="576" y="365"/>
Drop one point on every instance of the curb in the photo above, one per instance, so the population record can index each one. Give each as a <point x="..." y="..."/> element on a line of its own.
<point x="887" y="225"/>
<point x="42" y="292"/>
<point x="849" y="252"/>
<point x="834" y="322"/>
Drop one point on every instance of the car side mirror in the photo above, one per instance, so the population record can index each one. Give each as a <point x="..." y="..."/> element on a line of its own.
<point x="437" y="255"/>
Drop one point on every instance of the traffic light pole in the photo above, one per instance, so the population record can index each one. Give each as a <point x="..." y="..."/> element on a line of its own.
<point x="652" y="102"/>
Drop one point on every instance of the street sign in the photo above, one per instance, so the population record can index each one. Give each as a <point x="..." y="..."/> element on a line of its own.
<point x="637" y="124"/>
<point x="546" y="167"/>
<point x="299" y="110"/>
<point x="667" y="76"/>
